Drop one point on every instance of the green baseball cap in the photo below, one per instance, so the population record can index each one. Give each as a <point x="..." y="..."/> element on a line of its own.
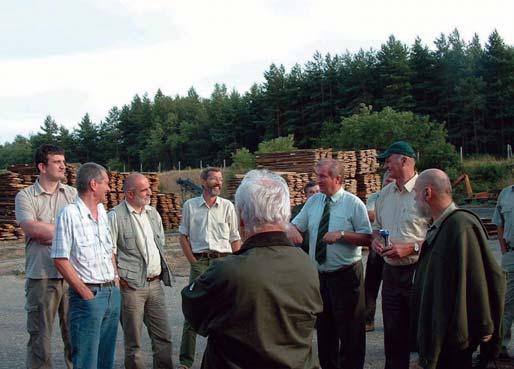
<point x="399" y="147"/>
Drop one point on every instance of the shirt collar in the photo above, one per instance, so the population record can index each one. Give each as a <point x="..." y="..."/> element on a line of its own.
<point x="437" y="222"/>
<point x="84" y="210"/>
<point x="338" y="195"/>
<point x="38" y="189"/>
<point x="265" y="239"/>
<point x="216" y="203"/>
<point x="132" y="210"/>
<point x="409" y="185"/>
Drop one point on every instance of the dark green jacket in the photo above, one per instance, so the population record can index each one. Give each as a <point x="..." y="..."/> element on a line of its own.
<point x="258" y="306"/>
<point x="458" y="290"/>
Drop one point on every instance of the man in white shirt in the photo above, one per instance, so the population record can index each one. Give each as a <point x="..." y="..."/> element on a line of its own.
<point x="209" y="230"/>
<point x="139" y="241"/>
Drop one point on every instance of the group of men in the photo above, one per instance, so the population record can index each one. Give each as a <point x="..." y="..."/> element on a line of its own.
<point x="256" y="295"/>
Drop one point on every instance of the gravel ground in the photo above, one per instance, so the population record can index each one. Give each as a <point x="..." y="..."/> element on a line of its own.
<point x="13" y="338"/>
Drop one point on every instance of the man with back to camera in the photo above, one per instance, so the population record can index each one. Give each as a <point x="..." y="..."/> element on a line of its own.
<point x="82" y="250"/>
<point x="338" y="225"/>
<point x="258" y="307"/>
<point x="504" y="220"/>
<point x="139" y="241"/>
<point x="395" y="212"/>
<point x="208" y="231"/>
<point x="458" y="289"/>
<point x="46" y="291"/>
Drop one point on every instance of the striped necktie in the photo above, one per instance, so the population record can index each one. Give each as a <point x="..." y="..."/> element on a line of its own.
<point x="321" y="247"/>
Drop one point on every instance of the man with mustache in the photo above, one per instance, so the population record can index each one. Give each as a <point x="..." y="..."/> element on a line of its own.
<point x="138" y="238"/>
<point x="208" y="231"/>
<point x="458" y="289"/>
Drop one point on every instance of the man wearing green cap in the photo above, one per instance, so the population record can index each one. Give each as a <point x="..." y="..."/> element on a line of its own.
<point x="395" y="211"/>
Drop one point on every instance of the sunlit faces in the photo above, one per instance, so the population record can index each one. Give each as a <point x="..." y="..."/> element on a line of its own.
<point x="327" y="184"/>
<point x="141" y="194"/>
<point x="421" y="194"/>
<point x="394" y="164"/>
<point x="55" y="170"/>
<point x="101" y="188"/>
<point x="212" y="185"/>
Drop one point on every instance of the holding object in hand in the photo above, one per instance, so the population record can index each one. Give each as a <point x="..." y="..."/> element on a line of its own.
<point x="384" y="233"/>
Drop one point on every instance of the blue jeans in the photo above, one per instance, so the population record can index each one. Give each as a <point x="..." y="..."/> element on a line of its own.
<point x="93" y="328"/>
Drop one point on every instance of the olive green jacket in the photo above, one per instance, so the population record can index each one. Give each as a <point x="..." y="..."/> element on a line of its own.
<point x="458" y="290"/>
<point x="258" y="307"/>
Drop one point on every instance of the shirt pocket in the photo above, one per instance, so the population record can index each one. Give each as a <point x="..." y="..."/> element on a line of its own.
<point x="86" y="248"/>
<point x="340" y="222"/>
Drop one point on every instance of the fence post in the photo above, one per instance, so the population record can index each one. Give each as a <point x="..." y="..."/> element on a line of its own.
<point x="461" y="155"/>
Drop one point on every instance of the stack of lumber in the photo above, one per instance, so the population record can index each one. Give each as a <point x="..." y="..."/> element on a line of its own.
<point x="301" y="161"/>
<point x="168" y="205"/>
<point x="368" y="184"/>
<point x="367" y="162"/>
<point x="71" y="173"/>
<point x="10" y="184"/>
<point x="350" y="185"/>
<point x="232" y="184"/>
<point x="28" y="172"/>
<point x="348" y="160"/>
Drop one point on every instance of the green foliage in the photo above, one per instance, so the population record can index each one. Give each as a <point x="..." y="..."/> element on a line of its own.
<point x="369" y="129"/>
<point x="488" y="173"/>
<point x="242" y="160"/>
<point x="115" y="165"/>
<point x="279" y="144"/>
<point x="16" y="152"/>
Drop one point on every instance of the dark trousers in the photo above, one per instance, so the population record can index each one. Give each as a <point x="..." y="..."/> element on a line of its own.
<point x="341" y="333"/>
<point x="455" y="359"/>
<point x="372" y="280"/>
<point x="396" y="288"/>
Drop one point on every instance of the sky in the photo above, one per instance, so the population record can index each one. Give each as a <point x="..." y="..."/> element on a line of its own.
<point x="66" y="58"/>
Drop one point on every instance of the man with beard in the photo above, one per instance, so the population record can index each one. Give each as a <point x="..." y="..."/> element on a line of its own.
<point x="46" y="292"/>
<point x="82" y="250"/>
<point x="208" y="231"/>
<point x="458" y="289"/>
<point x="138" y="238"/>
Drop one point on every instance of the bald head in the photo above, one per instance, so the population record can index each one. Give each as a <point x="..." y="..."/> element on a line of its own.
<point x="137" y="190"/>
<point x="131" y="181"/>
<point x="437" y="180"/>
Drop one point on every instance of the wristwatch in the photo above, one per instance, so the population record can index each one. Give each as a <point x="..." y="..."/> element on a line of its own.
<point x="342" y="234"/>
<point x="416" y="247"/>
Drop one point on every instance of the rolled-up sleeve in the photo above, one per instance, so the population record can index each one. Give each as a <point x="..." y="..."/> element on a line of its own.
<point x="233" y="224"/>
<point x="184" y="223"/>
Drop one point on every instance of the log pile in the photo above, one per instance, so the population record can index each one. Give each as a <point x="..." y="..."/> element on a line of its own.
<point x="348" y="160"/>
<point x="301" y="161"/>
<point x="23" y="175"/>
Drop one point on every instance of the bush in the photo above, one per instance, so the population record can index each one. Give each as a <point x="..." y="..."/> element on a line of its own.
<point x="279" y="144"/>
<point x="242" y="160"/>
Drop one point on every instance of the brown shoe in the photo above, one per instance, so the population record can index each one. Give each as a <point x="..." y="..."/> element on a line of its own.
<point x="370" y="327"/>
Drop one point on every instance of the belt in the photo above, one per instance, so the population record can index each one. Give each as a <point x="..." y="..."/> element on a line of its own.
<point x="210" y="254"/>
<point x="342" y="269"/>
<point x="155" y="278"/>
<point x="101" y="285"/>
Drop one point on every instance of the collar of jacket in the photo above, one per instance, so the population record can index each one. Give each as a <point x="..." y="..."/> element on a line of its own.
<point x="265" y="239"/>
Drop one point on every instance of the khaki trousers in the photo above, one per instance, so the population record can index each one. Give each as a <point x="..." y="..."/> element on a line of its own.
<point x="146" y="305"/>
<point x="45" y="298"/>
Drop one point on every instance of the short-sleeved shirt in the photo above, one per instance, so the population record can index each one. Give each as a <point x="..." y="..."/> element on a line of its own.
<point x="372" y="199"/>
<point x="35" y="204"/>
<point x="504" y="217"/>
<point x="213" y="228"/>
<point x="85" y="242"/>
<point x="395" y="210"/>
<point x="347" y="213"/>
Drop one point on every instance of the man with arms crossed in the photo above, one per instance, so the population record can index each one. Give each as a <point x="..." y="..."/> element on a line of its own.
<point x="395" y="212"/>
<point x="258" y="306"/>
<point x="208" y="232"/>
<point x="338" y="224"/>
<point x="46" y="292"/>
<point x="138" y="238"/>
<point x="82" y="250"/>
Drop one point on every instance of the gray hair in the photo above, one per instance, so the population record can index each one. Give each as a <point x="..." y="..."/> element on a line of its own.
<point x="86" y="173"/>
<point x="333" y="165"/>
<point x="263" y="198"/>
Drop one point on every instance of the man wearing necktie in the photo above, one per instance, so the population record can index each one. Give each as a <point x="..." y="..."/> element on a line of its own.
<point x="338" y="225"/>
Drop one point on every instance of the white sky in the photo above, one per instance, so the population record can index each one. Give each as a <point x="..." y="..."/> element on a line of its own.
<point x="66" y="58"/>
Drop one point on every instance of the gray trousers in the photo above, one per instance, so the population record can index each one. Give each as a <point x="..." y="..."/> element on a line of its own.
<point x="146" y="305"/>
<point x="44" y="299"/>
<point x="508" y="315"/>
